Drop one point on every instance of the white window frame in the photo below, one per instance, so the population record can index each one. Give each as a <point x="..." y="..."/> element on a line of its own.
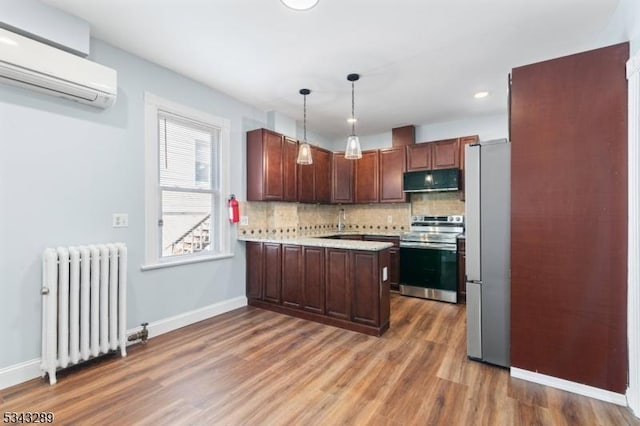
<point x="153" y="106"/>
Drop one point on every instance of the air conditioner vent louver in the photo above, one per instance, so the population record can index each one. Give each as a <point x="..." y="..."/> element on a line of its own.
<point x="28" y="63"/>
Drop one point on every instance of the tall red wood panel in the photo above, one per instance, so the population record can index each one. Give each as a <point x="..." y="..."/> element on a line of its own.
<point x="569" y="218"/>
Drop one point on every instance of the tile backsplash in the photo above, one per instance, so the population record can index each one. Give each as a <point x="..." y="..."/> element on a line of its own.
<point x="298" y="220"/>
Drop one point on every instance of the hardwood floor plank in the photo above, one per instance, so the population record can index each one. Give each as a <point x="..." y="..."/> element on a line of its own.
<point x="257" y="367"/>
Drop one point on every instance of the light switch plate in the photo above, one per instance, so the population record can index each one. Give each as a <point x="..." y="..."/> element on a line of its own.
<point x="120" y="220"/>
<point x="384" y="274"/>
<point x="244" y="220"/>
<point x="389" y="219"/>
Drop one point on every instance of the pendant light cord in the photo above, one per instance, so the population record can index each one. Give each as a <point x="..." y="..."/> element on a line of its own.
<point x="305" y="118"/>
<point x="353" y="110"/>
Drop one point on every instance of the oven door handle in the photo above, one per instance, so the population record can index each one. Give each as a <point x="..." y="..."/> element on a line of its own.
<point x="434" y="246"/>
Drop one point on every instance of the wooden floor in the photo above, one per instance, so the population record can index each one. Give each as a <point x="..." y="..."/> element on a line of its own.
<point x="256" y="367"/>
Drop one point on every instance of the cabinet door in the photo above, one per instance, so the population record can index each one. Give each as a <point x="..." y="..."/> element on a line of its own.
<point x="273" y="166"/>
<point x="392" y="168"/>
<point x="342" y="181"/>
<point x="419" y="157"/>
<point x="322" y="164"/>
<point x="366" y="178"/>
<point x="445" y="154"/>
<point x="254" y="270"/>
<point x="292" y="276"/>
<point x="306" y="182"/>
<point x="337" y="283"/>
<point x="313" y="279"/>
<point x="272" y="271"/>
<point x="290" y="181"/>
<point x="366" y="288"/>
<point x="402" y="136"/>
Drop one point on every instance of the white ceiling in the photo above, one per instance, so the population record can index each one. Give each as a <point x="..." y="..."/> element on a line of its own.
<point x="420" y="61"/>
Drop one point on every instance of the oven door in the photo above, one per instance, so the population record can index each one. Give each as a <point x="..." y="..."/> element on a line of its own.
<point x="429" y="270"/>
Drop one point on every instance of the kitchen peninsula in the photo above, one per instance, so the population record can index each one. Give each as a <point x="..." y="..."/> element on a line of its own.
<point x="344" y="283"/>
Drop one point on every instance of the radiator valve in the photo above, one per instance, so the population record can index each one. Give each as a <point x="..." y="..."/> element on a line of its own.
<point x="141" y="335"/>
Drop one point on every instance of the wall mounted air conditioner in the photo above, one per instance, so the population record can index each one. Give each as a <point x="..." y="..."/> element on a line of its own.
<point x="37" y="66"/>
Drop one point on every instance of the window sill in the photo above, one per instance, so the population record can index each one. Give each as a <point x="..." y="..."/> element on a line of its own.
<point x="180" y="262"/>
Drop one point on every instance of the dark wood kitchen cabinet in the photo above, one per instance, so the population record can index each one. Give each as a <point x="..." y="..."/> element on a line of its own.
<point x="271" y="176"/>
<point x="322" y="163"/>
<point x="272" y="265"/>
<point x="314" y="180"/>
<point x="313" y="279"/>
<point x="338" y="279"/>
<point x="394" y="257"/>
<point x="443" y="154"/>
<point x="446" y="154"/>
<point x="419" y="157"/>
<point x="462" y="277"/>
<point x="367" y="177"/>
<point x="366" y="294"/>
<point x="291" y="276"/>
<point x="392" y="167"/>
<point x="335" y="286"/>
<point x="342" y="179"/>
<point x="290" y="170"/>
<point x="403" y="136"/>
<point x="254" y="270"/>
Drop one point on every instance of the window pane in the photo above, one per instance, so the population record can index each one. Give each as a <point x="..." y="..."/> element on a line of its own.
<point x="185" y="153"/>
<point x="186" y="222"/>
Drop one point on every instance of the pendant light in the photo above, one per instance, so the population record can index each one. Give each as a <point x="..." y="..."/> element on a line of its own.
<point x="304" y="150"/>
<point x="353" y="150"/>
<point x="300" y="4"/>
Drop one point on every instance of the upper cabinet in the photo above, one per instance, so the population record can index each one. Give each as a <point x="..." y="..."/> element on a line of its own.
<point x="366" y="177"/>
<point x="314" y="180"/>
<point x="270" y="175"/>
<point x="391" y="169"/>
<point x="444" y="154"/>
<point x="342" y="179"/>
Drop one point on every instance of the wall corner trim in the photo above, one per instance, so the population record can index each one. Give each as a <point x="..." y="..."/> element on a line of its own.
<point x="566" y="385"/>
<point x="24" y="371"/>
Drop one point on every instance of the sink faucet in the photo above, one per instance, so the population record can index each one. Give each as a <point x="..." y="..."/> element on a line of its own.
<point x="341" y="220"/>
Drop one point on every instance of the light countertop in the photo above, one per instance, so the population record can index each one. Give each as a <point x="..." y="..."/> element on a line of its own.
<point x="317" y="241"/>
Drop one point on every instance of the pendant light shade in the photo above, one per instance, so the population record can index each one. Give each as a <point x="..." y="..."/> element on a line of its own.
<point x="299" y="4"/>
<point x="304" y="150"/>
<point x="353" y="150"/>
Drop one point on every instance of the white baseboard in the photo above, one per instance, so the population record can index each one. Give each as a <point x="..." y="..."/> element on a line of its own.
<point x="19" y="373"/>
<point x="566" y="385"/>
<point x="166" y="325"/>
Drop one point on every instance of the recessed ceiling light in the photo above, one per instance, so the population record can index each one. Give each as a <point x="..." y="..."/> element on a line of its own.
<point x="481" y="95"/>
<point x="299" y="4"/>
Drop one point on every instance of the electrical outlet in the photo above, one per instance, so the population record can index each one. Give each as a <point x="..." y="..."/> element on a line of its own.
<point x="244" y="220"/>
<point x="120" y="220"/>
<point x="389" y="219"/>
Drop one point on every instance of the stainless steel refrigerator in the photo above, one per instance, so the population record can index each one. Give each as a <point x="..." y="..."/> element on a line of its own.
<point x="488" y="234"/>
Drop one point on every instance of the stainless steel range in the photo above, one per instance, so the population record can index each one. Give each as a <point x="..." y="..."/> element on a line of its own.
<point x="428" y="257"/>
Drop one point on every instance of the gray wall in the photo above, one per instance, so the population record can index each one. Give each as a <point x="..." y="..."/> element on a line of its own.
<point x="488" y="127"/>
<point x="65" y="168"/>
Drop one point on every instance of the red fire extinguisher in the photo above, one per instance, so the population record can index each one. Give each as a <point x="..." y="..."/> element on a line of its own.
<point x="234" y="209"/>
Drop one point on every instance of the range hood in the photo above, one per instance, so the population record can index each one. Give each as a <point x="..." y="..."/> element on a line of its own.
<point x="432" y="181"/>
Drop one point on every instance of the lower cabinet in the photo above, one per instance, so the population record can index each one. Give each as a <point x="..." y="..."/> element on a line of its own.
<point x="334" y="286"/>
<point x="338" y="290"/>
<point x="313" y="279"/>
<point x="291" y="276"/>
